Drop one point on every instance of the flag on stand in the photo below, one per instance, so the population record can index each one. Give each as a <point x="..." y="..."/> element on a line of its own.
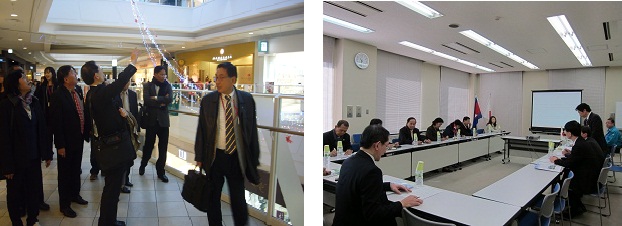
<point x="477" y="114"/>
<point x="488" y="108"/>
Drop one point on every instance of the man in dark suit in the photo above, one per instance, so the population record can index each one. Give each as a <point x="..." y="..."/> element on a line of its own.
<point x="595" y="123"/>
<point x="70" y="131"/>
<point x="408" y="132"/>
<point x="108" y="120"/>
<point x="585" y="162"/>
<point x="586" y="134"/>
<point x="361" y="194"/>
<point x="128" y="100"/>
<point x="339" y="133"/>
<point x="227" y="143"/>
<point x="157" y="95"/>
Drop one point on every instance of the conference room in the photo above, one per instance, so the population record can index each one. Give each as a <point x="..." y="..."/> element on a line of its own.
<point x="530" y="65"/>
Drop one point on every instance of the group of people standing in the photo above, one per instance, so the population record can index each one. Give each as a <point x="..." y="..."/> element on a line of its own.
<point x="59" y="114"/>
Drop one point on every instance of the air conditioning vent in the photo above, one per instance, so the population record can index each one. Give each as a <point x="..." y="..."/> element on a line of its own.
<point x="368" y="6"/>
<point x="610" y="56"/>
<point x="461" y="48"/>
<point x="506" y="64"/>
<point x="453" y="49"/>
<point x="495" y="65"/>
<point x="346" y="9"/>
<point x="467" y="47"/>
<point x="607" y="30"/>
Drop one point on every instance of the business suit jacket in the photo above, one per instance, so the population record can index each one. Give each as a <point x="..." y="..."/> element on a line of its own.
<point x="247" y="143"/>
<point x="361" y="197"/>
<point x="156" y="115"/>
<point x="329" y="139"/>
<point x="405" y="135"/>
<point x="42" y="94"/>
<point x="13" y="151"/>
<point x="430" y="133"/>
<point x="586" y="163"/>
<point x="596" y="146"/>
<point x="596" y="126"/>
<point x="66" y="121"/>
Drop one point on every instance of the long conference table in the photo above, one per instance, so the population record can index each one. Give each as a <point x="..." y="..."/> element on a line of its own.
<point x="497" y="204"/>
<point x="402" y="161"/>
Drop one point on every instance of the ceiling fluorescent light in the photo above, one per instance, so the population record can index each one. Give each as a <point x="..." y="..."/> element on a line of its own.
<point x="347" y="24"/>
<point x="420" y="8"/>
<point x="497" y="48"/>
<point x="436" y="53"/>
<point x="561" y="25"/>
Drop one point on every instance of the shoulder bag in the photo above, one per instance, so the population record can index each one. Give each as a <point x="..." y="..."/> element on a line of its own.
<point x="196" y="189"/>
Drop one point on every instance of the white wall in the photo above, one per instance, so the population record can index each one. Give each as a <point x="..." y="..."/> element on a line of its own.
<point x="431" y="80"/>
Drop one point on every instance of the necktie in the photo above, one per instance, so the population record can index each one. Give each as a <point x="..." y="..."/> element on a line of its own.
<point x="76" y="100"/>
<point x="585" y="122"/>
<point x="125" y="100"/>
<point x="230" y="137"/>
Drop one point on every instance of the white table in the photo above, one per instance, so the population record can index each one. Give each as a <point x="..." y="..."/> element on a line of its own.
<point x="457" y="207"/>
<point x="508" y="144"/>
<point x="520" y="187"/>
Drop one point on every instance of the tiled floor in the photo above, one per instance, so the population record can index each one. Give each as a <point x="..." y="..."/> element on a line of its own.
<point x="150" y="203"/>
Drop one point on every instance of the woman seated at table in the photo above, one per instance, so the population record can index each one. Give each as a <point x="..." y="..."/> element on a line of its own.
<point x="491" y="126"/>
<point x="408" y="132"/>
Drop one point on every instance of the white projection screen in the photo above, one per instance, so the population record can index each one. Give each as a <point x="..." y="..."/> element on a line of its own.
<point x="551" y="109"/>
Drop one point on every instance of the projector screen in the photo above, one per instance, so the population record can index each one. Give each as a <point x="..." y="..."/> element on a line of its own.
<point x="551" y="109"/>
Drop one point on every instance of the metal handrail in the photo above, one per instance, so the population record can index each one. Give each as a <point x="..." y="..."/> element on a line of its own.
<point x="274" y="129"/>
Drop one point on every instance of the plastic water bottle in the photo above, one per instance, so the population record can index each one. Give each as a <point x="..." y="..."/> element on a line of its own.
<point x="326" y="156"/>
<point x="340" y="148"/>
<point x="438" y="136"/>
<point x="415" y="139"/>
<point x="458" y="134"/>
<point x="419" y="174"/>
<point x="551" y="147"/>
<point x="474" y="132"/>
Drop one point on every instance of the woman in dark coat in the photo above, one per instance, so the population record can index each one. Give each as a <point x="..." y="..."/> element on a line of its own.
<point x="23" y="145"/>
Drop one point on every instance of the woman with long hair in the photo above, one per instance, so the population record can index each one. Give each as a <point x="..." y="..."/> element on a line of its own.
<point x="491" y="126"/>
<point x="23" y="145"/>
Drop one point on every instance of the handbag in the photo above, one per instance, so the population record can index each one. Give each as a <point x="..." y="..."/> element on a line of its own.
<point x="196" y="189"/>
<point x="114" y="150"/>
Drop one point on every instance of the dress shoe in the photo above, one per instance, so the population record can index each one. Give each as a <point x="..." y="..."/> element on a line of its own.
<point x="80" y="200"/>
<point x="125" y="190"/>
<point x="129" y="184"/>
<point x="93" y="177"/>
<point x="119" y="223"/>
<point x="141" y="170"/>
<point x="44" y="206"/>
<point x="163" y="178"/>
<point x="68" y="212"/>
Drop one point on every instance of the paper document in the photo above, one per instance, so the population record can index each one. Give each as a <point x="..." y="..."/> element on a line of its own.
<point x="423" y="192"/>
<point x="548" y="167"/>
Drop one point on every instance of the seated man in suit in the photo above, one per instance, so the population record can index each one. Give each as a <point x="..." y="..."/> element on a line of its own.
<point x="468" y="127"/>
<point x="361" y="197"/>
<point x="452" y="129"/>
<point x="586" y="134"/>
<point x="430" y="133"/>
<point x="585" y="162"/>
<point x="338" y="134"/>
<point x="408" y="132"/>
<point x="613" y="136"/>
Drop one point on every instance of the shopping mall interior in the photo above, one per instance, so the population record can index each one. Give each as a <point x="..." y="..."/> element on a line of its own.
<point x="264" y="39"/>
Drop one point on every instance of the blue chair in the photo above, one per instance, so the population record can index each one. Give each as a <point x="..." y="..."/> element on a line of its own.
<point x="480" y="131"/>
<point x="356" y="138"/>
<point x="356" y="147"/>
<point x="563" y="200"/>
<point x="543" y="214"/>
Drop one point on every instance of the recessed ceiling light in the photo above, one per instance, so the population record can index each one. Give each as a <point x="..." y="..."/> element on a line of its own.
<point x="25" y="47"/>
<point x="420" y="8"/>
<point x="564" y="30"/>
<point x="183" y="47"/>
<point x="29" y="52"/>
<point x="433" y="52"/>
<point x="499" y="49"/>
<point x="10" y="50"/>
<point x="347" y="24"/>
<point x="19" y="39"/>
<point x="250" y="33"/>
<point x="13" y="14"/>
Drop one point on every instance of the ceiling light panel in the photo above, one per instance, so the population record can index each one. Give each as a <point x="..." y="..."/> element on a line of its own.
<point x="431" y="51"/>
<point x="497" y="48"/>
<point x="420" y="8"/>
<point x="564" y="30"/>
<point x="347" y="24"/>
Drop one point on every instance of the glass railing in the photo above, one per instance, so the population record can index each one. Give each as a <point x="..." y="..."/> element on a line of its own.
<point x="281" y="132"/>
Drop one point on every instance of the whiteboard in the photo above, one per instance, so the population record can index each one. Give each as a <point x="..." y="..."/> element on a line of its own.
<point x="554" y="108"/>
<point x="619" y="115"/>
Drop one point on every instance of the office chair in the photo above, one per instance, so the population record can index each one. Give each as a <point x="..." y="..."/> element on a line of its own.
<point x="562" y="199"/>
<point x="543" y="214"/>
<point x="410" y="219"/>
<point x="356" y="138"/>
<point x="603" y="192"/>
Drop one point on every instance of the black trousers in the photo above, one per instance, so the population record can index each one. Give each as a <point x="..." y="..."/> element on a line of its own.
<point x="150" y="135"/>
<point x="69" y="169"/>
<point x="110" y="196"/>
<point x="94" y="164"/>
<point x="23" y="191"/>
<point x="227" y="166"/>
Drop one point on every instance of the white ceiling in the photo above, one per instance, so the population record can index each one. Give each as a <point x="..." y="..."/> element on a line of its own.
<point x="520" y="27"/>
<point x="58" y="44"/>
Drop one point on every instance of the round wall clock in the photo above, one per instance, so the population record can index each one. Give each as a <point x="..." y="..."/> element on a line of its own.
<point x="361" y="60"/>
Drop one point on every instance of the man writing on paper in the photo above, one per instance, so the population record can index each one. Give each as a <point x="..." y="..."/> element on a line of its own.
<point x="338" y="134"/>
<point x="361" y="194"/>
<point x="585" y="162"/>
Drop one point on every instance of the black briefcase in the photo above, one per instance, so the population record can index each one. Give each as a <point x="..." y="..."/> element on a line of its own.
<point x="196" y="189"/>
